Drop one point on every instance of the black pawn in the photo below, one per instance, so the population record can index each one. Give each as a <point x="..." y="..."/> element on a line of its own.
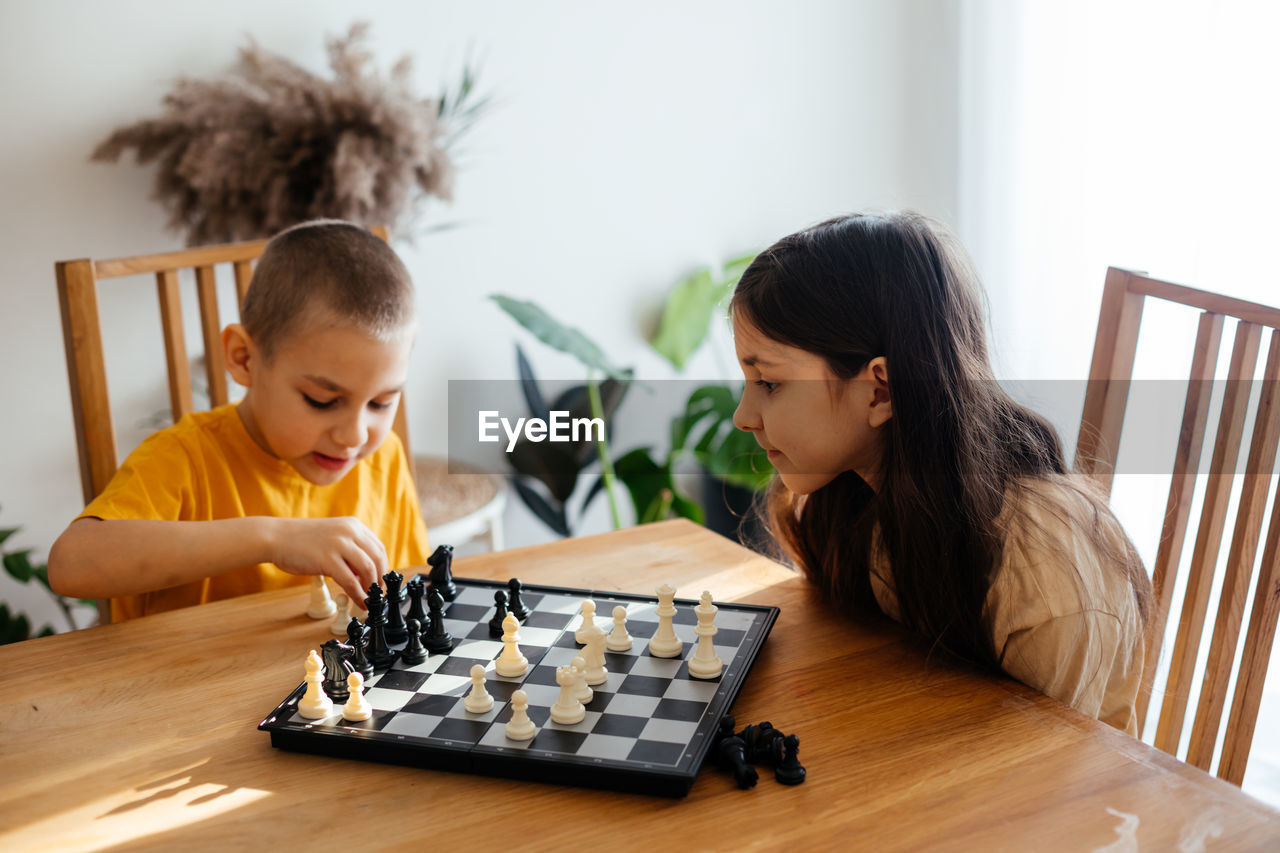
<point x="732" y="754"/>
<point x="514" y="604"/>
<point x="414" y="651"/>
<point x="724" y="730"/>
<point x="336" y="657"/>
<point x="355" y="639"/>
<point x="417" y="591"/>
<point x="441" y="563"/>
<point x="380" y="653"/>
<point x="789" y="772"/>
<point x="438" y="639"/>
<point x="764" y="744"/>
<point x="395" y="619"/>
<point x="499" y="613"/>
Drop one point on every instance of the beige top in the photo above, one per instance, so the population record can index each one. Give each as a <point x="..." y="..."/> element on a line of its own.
<point x="1063" y="619"/>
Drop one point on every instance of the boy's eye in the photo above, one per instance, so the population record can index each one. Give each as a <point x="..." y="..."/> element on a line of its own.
<point x="317" y="404"/>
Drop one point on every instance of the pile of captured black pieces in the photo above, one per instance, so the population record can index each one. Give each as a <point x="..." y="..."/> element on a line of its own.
<point x="758" y="744"/>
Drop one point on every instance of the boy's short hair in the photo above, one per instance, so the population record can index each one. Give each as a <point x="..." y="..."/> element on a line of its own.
<point x="326" y="264"/>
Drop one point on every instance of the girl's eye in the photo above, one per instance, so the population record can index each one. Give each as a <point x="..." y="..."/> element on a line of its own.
<point x="767" y="386"/>
<point x="316" y="404"/>
<point x="378" y="407"/>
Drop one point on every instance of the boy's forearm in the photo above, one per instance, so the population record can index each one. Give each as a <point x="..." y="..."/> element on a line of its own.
<point x="102" y="559"/>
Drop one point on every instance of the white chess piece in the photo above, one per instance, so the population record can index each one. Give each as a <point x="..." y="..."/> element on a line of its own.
<point x="704" y="663"/>
<point x="478" y="700"/>
<point x="619" y="640"/>
<point x="338" y="627"/>
<point x="593" y="654"/>
<point x="315" y="702"/>
<point x="588" y="620"/>
<point x="567" y="710"/>
<point x="321" y="606"/>
<point x="665" y="643"/>
<point x="584" y="692"/>
<point x="357" y="707"/>
<point x="520" y="727"/>
<point x="512" y="661"/>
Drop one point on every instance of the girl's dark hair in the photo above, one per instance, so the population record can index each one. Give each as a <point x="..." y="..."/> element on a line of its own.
<point x="899" y="285"/>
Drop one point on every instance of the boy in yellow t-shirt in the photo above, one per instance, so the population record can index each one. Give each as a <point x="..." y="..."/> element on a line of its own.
<point x="302" y="477"/>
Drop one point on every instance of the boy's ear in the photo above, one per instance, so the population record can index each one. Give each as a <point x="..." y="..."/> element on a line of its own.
<point x="239" y="353"/>
<point x="881" y="404"/>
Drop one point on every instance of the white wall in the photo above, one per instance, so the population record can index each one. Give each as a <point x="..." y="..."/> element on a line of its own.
<point x="631" y="143"/>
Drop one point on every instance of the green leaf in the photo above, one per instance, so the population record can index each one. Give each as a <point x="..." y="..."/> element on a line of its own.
<point x="644" y="478"/>
<point x="7" y="532"/>
<point x="558" y="336"/>
<point x="18" y="566"/>
<point x="686" y="317"/>
<point x="553" y="517"/>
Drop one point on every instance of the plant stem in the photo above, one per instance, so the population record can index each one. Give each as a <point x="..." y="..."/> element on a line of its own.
<point x="602" y="448"/>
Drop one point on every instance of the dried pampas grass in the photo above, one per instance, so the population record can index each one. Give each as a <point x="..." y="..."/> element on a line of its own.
<point x="273" y="145"/>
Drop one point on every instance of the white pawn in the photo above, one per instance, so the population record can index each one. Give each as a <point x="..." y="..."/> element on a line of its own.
<point x="512" y="661"/>
<point x="584" y="693"/>
<point x="665" y="643"/>
<point x="478" y="700"/>
<point x="593" y="654"/>
<point x="618" y="640"/>
<point x="705" y="663"/>
<point x="567" y="710"/>
<point x="520" y="727"/>
<point x="357" y="707"/>
<point x="588" y="621"/>
<point x="338" y="627"/>
<point x="321" y="606"/>
<point x="315" y="703"/>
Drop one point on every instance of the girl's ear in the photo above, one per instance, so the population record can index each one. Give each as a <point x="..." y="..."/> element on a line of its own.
<point x="881" y="404"/>
<point x="239" y="352"/>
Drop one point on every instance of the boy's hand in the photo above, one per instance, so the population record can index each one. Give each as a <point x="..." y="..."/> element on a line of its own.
<point x="341" y="548"/>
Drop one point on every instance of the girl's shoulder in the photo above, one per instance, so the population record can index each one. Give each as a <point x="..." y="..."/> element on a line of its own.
<point x="1063" y="553"/>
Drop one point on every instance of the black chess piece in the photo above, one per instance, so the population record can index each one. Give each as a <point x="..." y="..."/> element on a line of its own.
<point x="514" y="604"/>
<point x="764" y="744"/>
<point x="380" y="653"/>
<point x="417" y="592"/>
<point x="789" y="772"/>
<point x="355" y="639"/>
<point x="441" y="563"/>
<point x="723" y="730"/>
<point x="337" y="667"/>
<point x="499" y="613"/>
<point x="438" y="640"/>
<point x="732" y="754"/>
<point x="414" y="651"/>
<point x="395" y="619"/>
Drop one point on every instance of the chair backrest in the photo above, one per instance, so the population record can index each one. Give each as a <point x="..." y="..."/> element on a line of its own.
<point x="82" y="336"/>
<point x="1105" y="400"/>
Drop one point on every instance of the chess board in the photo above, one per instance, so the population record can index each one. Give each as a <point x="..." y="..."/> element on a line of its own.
<point x="647" y="729"/>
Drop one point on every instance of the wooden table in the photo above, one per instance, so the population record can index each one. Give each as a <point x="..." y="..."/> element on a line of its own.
<point x="143" y="735"/>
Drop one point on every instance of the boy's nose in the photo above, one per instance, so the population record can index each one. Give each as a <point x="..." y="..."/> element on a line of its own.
<point x="352" y="431"/>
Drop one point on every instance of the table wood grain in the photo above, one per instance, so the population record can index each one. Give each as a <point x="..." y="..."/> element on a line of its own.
<point x="143" y="735"/>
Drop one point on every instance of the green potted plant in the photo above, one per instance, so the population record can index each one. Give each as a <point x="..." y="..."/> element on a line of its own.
<point x="15" y="626"/>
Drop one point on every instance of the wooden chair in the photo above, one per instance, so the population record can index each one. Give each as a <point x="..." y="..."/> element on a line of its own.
<point x="82" y="336"/>
<point x="1105" y="400"/>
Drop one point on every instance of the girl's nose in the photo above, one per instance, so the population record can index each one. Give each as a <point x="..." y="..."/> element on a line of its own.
<point x="744" y="417"/>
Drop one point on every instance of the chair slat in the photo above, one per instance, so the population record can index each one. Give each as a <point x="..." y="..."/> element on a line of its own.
<point x="86" y="366"/>
<point x="211" y="331"/>
<point x="1109" y="376"/>
<point x="1186" y="464"/>
<point x="244" y="275"/>
<point x="1250" y="312"/>
<point x="1240" y="558"/>
<point x="1204" y="558"/>
<point x="175" y="344"/>
<point x="1254" y="658"/>
<point x="158" y="263"/>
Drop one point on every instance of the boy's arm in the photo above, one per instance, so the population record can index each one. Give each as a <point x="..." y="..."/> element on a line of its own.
<point x="94" y="558"/>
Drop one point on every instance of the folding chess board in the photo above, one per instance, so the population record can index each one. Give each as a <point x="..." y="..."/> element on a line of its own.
<point x="647" y="729"/>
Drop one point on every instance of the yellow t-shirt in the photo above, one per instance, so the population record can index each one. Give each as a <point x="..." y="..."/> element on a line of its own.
<point x="207" y="467"/>
<point x="1063" y="620"/>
